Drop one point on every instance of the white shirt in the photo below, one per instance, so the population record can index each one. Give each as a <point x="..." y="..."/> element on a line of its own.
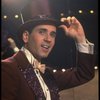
<point x="31" y="59"/>
<point x="86" y="47"/>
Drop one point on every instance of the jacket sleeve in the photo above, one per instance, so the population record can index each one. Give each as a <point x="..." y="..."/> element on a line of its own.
<point x="77" y="75"/>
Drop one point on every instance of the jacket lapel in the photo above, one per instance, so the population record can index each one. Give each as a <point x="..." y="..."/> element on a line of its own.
<point x="28" y="72"/>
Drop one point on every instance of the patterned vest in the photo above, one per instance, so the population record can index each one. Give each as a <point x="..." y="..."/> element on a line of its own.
<point x="33" y="82"/>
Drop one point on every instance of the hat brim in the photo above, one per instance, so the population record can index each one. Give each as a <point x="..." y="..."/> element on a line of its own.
<point x="33" y="23"/>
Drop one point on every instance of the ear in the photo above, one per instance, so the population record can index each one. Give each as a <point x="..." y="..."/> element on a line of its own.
<point x="25" y="36"/>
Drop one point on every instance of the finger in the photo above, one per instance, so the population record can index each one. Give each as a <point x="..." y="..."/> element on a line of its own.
<point x="64" y="28"/>
<point x="63" y="19"/>
<point x="69" y="20"/>
<point x="75" y="20"/>
<point x="65" y="22"/>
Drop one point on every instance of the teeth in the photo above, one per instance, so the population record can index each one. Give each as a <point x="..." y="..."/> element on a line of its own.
<point x="45" y="46"/>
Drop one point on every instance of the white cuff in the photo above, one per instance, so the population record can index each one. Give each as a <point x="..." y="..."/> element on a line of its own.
<point x="87" y="47"/>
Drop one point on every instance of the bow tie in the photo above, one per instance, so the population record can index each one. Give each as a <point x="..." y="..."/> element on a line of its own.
<point x="39" y="66"/>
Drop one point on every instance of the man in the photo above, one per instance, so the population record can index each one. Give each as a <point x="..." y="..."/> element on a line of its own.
<point x="23" y="75"/>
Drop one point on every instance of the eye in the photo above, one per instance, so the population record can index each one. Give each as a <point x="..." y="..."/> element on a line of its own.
<point x="42" y="31"/>
<point x="53" y="34"/>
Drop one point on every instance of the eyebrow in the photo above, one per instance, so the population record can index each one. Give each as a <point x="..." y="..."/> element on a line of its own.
<point x="43" y="29"/>
<point x="46" y="30"/>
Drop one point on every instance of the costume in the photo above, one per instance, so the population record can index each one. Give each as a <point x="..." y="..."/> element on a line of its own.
<point x="16" y="87"/>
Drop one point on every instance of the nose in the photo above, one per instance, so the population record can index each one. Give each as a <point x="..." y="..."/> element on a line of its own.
<point x="48" y="38"/>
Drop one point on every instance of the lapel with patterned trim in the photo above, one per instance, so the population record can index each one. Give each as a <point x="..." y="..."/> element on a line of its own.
<point x="28" y="72"/>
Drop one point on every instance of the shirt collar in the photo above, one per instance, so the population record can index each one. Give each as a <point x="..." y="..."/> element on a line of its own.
<point x="28" y="54"/>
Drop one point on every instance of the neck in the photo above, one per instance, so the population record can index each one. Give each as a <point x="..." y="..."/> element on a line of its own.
<point x="37" y="58"/>
<point x="34" y="55"/>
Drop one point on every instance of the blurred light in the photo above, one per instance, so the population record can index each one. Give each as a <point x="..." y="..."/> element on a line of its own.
<point x="63" y="70"/>
<point x="54" y="70"/>
<point x="5" y="17"/>
<point x="16" y="16"/>
<point x="62" y="14"/>
<point x="95" y="67"/>
<point x="80" y="11"/>
<point x="91" y="11"/>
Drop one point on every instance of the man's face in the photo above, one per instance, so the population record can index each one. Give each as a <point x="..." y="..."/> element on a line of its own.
<point x="41" y="40"/>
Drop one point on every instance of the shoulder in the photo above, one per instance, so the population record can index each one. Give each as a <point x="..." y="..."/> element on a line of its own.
<point x="9" y="65"/>
<point x="8" y="62"/>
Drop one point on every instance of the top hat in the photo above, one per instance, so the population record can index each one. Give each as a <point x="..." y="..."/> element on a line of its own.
<point x="39" y="20"/>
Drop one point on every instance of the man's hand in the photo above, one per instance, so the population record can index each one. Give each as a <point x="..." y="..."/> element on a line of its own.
<point x="75" y="29"/>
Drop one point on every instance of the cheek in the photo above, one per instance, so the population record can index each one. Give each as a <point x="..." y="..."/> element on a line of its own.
<point x="35" y="37"/>
<point x="53" y="43"/>
<point x="34" y="41"/>
<point x="31" y="42"/>
<point x="54" y="40"/>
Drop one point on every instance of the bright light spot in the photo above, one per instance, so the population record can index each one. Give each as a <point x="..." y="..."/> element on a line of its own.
<point x="62" y="14"/>
<point x="5" y="17"/>
<point x="91" y="11"/>
<point x="95" y="67"/>
<point x="54" y="70"/>
<point x="63" y="70"/>
<point x="16" y="16"/>
<point x="80" y="11"/>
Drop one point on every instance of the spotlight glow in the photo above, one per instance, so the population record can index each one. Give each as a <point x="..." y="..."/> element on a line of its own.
<point x="54" y="70"/>
<point x="63" y="70"/>
<point x="62" y="14"/>
<point x="80" y="11"/>
<point x="95" y="67"/>
<point x="91" y="11"/>
<point x="5" y="16"/>
<point x="16" y="16"/>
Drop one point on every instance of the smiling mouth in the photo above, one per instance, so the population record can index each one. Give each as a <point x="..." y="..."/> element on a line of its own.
<point x="45" y="47"/>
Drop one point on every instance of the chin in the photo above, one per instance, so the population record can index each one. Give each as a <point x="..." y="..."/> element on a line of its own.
<point x="44" y="56"/>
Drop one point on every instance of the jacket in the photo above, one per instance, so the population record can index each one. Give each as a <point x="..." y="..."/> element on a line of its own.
<point x="14" y="86"/>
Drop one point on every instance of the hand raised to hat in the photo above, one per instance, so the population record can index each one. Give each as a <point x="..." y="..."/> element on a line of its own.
<point x="75" y="29"/>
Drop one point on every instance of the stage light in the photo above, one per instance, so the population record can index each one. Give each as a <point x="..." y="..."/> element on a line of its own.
<point x="91" y="11"/>
<point x="54" y="70"/>
<point x="80" y="11"/>
<point x="63" y="70"/>
<point x="16" y="16"/>
<point x="95" y="67"/>
<point x="5" y="16"/>
<point x="62" y="14"/>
